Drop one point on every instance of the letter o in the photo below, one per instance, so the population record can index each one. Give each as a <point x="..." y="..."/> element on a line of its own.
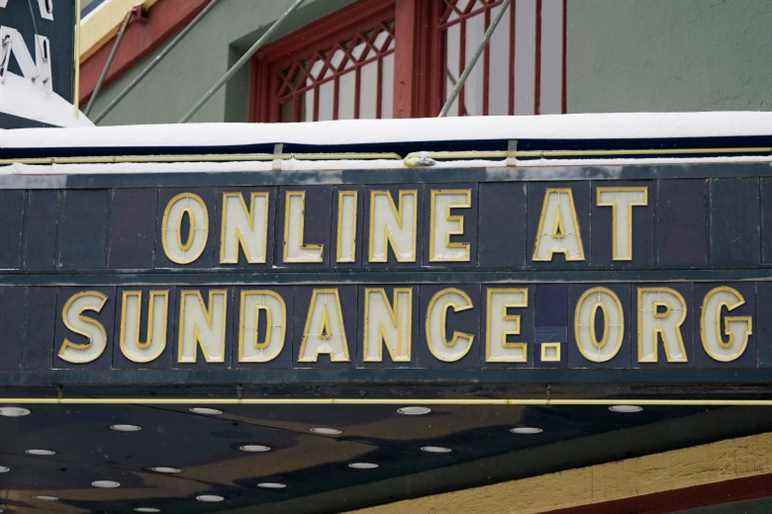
<point x="587" y="341"/>
<point x="177" y="250"/>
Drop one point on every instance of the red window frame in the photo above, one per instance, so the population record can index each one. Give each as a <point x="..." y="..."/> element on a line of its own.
<point x="419" y="55"/>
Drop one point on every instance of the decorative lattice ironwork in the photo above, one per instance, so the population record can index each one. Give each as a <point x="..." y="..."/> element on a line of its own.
<point x="352" y="78"/>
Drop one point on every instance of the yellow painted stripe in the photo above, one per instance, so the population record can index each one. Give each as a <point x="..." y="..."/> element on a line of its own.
<point x="384" y="155"/>
<point x="389" y="401"/>
<point x="102" y="24"/>
<point x="706" y="464"/>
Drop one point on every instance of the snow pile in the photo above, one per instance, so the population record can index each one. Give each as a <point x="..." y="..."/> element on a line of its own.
<point x="351" y="132"/>
<point x="21" y="98"/>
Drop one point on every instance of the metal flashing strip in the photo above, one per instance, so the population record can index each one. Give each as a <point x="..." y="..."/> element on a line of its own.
<point x="551" y="402"/>
<point x="440" y="155"/>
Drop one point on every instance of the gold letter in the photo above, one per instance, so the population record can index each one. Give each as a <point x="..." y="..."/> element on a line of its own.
<point x="295" y="250"/>
<point x="203" y="327"/>
<point x="443" y="225"/>
<point x="622" y="200"/>
<point x="499" y="324"/>
<point x="393" y="227"/>
<point x="654" y="324"/>
<point x="157" y="308"/>
<point x="324" y="331"/>
<point x="192" y="206"/>
<point x="244" y="227"/>
<point x="386" y="325"/>
<point x="736" y="328"/>
<point x="91" y="329"/>
<point x="251" y="349"/>
<point x="590" y="347"/>
<point x="558" y="230"/>
<point x="346" y="249"/>
<point x="436" y="314"/>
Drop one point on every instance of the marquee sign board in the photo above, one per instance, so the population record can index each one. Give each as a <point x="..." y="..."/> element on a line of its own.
<point x="510" y="279"/>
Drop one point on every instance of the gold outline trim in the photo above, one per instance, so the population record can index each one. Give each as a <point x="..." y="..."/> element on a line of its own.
<point x="739" y="302"/>
<point x="66" y="342"/>
<point x="339" y="229"/>
<point x="554" y="345"/>
<point x="312" y="306"/>
<point x="397" y="215"/>
<point x="187" y="245"/>
<point x="311" y="247"/>
<point x="516" y="318"/>
<point x="251" y="213"/>
<point x="450" y="218"/>
<point x="540" y="229"/>
<point x="150" y="332"/>
<point x="407" y="346"/>
<point x="606" y="322"/>
<point x="457" y="334"/>
<point x="269" y="328"/>
<point x="639" y="318"/>
<point x="206" y="307"/>
<point x="629" y="208"/>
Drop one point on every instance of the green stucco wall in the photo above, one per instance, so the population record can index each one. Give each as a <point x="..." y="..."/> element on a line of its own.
<point x="623" y="55"/>
<point x="200" y="59"/>
<point x="669" y="55"/>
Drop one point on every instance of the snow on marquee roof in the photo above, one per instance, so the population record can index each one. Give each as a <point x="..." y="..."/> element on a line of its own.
<point x="18" y="97"/>
<point x="359" y="132"/>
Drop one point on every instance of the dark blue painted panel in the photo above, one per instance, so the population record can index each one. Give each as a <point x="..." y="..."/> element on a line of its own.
<point x="682" y="223"/>
<point x="132" y="228"/>
<point x="42" y="315"/>
<point x="13" y="326"/>
<point x="734" y="222"/>
<point x="11" y="231"/>
<point x="40" y="229"/>
<point x="85" y="221"/>
<point x="502" y="224"/>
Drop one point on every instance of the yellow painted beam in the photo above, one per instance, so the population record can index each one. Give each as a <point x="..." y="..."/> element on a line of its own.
<point x="705" y="464"/>
<point x="101" y="24"/>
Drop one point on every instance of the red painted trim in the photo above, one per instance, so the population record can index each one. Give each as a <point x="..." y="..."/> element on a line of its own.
<point x="486" y="68"/>
<point x="142" y="36"/>
<point x="334" y="26"/>
<point x="564" y="97"/>
<point x="405" y="58"/>
<point x="750" y="488"/>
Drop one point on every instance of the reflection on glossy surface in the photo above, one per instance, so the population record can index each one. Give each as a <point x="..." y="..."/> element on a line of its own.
<point x="298" y="456"/>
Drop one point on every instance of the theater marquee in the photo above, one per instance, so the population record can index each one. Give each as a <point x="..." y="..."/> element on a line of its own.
<point x="542" y="274"/>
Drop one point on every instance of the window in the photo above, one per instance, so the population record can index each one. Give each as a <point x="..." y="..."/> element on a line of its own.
<point x="385" y="58"/>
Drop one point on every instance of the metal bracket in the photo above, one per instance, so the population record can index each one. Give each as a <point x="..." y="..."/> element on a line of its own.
<point x="278" y="150"/>
<point x="511" y="160"/>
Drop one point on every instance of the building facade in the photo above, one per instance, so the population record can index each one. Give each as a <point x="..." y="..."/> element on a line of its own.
<point x="400" y="58"/>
